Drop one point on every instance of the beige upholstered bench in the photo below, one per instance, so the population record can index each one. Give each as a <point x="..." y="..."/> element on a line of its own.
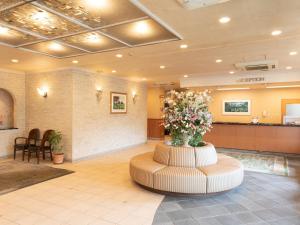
<point x="186" y="170"/>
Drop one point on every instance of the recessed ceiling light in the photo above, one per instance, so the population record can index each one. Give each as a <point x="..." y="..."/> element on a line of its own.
<point x="141" y="27"/>
<point x="231" y="72"/>
<point x="162" y="67"/>
<point x="276" y="32"/>
<point x="143" y="79"/>
<point x="97" y="3"/>
<point x="183" y="46"/>
<point x="219" y="60"/>
<point x="55" y="46"/>
<point x="230" y="89"/>
<point x="119" y="55"/>
<point x="75" y="61"/>
<point x="186" y="76"/>
<point x="15" y="60"/>
<point x="93" y="38"/>
<point x="3" y="30"/>
<point x="224" y="19"/>
<point x="113" y="71"/>
<point x="288" y="67"/>
<point x="293" y="53"/>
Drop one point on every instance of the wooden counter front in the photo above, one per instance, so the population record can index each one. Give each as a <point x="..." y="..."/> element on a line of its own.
<point x="284" y="139"/>
<point x="155" y="129"/>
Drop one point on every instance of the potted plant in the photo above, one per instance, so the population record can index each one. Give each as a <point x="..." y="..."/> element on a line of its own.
<point x="187" y="118"/>
<point x="56" y="147"/>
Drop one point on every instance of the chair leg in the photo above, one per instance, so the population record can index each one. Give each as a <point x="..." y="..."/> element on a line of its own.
<point x="44" y="155"/>
<point x="51" y="155"/>
<point x="38" y="156"/>
<point x="29" y="155"/>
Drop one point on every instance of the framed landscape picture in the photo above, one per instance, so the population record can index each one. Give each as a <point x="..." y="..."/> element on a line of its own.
<point x="237" y="107"/>
<point x="118" y="102"/>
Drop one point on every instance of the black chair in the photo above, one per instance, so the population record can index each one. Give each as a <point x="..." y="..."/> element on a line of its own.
<point x="43" y="146"/>
<point x="22" y="143"/>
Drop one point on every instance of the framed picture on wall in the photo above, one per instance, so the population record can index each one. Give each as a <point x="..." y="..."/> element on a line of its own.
<point x="237" y="107"/>
<point x="118" y="102"/>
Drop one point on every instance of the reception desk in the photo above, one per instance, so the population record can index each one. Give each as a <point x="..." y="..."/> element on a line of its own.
<point x="259" y="137"/>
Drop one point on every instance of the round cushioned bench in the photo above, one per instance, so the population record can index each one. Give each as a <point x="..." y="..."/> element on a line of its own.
<point x="186" y="170"/>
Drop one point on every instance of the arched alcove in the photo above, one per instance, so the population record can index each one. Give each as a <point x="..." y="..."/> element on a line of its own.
<point x="6" y="109"/>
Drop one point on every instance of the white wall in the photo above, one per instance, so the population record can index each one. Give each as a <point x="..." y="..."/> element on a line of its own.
<point x="14" y="83"/>
<point x="72" y="107"/>
<point x="95" y="130"/>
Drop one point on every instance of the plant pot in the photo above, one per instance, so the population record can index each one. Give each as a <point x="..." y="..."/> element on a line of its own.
<point x="58" y="158"/>
<point x="186" y="139"/>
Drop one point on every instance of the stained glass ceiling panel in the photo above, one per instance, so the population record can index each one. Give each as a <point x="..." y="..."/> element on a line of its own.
<point x="14" y="37"/>
<point x="140" y="32"/>
<point x="54" y="48"/>
<point x="6" y="4"/>
<point x="38" y="21"/>
<point x="95" y="13"/>
<point x="93" y="42"/>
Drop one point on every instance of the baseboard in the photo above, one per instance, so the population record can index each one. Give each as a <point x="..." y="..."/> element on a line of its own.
<point x="106" y="152"/>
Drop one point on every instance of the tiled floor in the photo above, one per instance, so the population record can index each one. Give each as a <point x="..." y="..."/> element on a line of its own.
<point x="100" y="192"/>
<point x="261" y="200"/>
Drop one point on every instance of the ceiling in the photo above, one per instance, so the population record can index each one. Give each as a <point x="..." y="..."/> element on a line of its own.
<point x="247" y="37"/>
<point x="68" y="28"/>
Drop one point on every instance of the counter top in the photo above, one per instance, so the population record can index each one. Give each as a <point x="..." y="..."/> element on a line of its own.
<point x="12" y="128"/>
<point x="258" y="124"/>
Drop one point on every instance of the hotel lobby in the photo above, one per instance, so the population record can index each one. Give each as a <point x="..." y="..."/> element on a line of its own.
<point x="149" y="112"/>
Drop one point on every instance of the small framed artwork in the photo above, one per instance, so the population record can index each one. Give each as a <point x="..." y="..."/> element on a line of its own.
<point x="237" y="107"/>
<point x="118" y="103"/>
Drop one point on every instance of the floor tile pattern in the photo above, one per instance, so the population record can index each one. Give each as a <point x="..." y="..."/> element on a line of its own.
<point x="262" y="199"/>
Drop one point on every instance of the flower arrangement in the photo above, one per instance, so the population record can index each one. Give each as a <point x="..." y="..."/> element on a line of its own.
<point x="187" y="118"/>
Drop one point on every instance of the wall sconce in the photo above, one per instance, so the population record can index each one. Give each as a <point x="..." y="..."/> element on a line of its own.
<point x="134" y="97"/>
<point x="43" y="91"/>
<point x="99" y="91"/>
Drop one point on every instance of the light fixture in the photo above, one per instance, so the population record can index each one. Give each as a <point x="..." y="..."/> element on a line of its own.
<point x="144" y="79"/>
<point x="284" y="86"/>
<point x="55" y="46"/>
<point x="288" y="68"/>
<point x="99" y="92"/>
<point x="119" y="55"/>
<point x="293" y="53"/>
<point x="75" y="61"/>
<point x="219" y="60"/>
<point x="232" y="89"/>
<point x="113" y="71"/>
<point x="224" y="19"/>
<point x="185" y="76"/>
<point x="276" y="32"/>
<point x="96" y="3"/>
<point x="184" y="46"/>
<point x="3" y="30"/>
<point x="141" y="28"/>
<point x="43" y="91"/>
<point x="134" y="97"/>
<point x="231" y="72"/>
<point x="162" y="67"/>
<point x="14" y="60"/>
<point x="93" y="38"/>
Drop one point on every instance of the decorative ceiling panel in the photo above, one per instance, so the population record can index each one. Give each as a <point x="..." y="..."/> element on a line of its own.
<point x="93" y="42"/>
<point x="96" y="13"/>
<point x="38" y="21"/>
<point x="63" y="28"/>
<point x="6" y="4"/>
<point x="140" y="32"/>
<point x="55" y="49"/>
<point x="14" y="37"/>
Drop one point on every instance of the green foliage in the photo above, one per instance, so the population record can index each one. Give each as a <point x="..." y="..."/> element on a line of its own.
<point x="196" y="140"/>
<point x="177" y="138"/>
<point x="55" y="141"/>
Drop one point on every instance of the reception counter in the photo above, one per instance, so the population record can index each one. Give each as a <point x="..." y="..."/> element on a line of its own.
<point x="260" y="137"/>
